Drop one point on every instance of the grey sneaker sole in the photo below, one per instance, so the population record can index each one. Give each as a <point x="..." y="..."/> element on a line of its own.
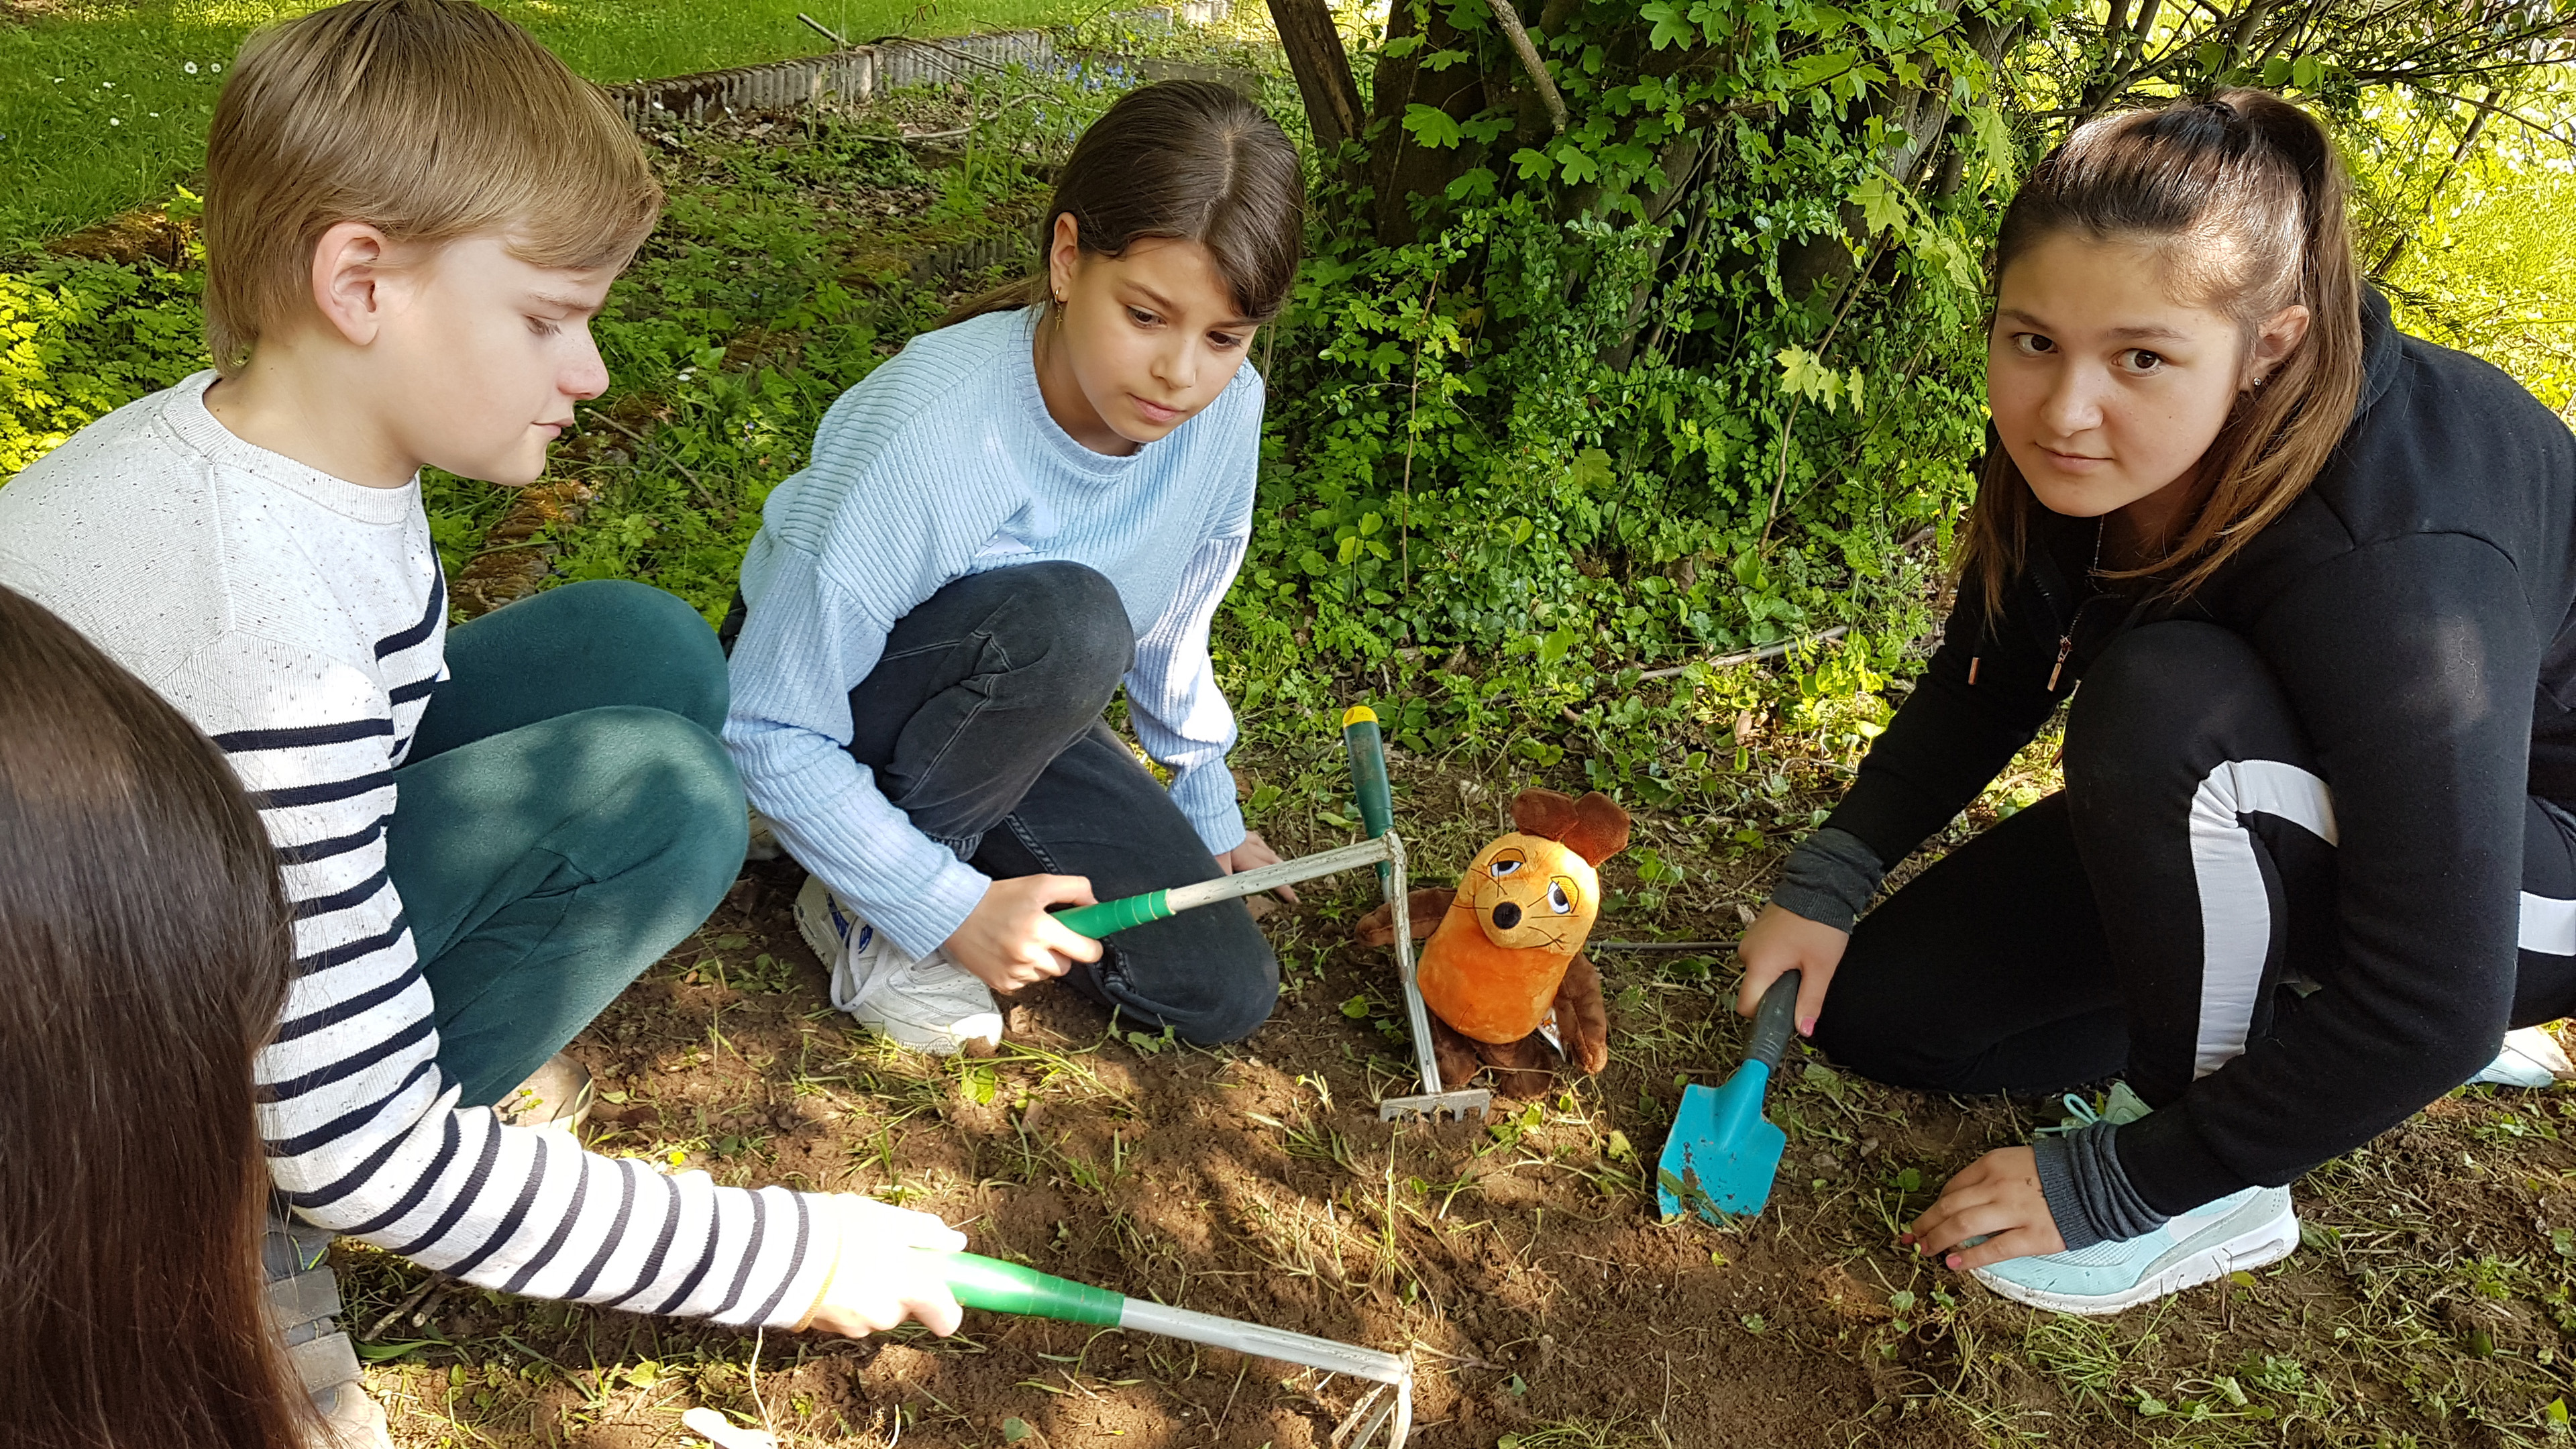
<point x="2226" y="1246"/>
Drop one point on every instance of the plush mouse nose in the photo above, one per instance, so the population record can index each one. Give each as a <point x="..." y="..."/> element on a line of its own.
<point x="1506" y="916"/>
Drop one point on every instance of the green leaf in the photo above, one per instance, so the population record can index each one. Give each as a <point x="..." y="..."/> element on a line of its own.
<point x="1477" y="184"/>
<point x="1534" y="165"/>
<point x="1670" y="27"/>
<point x="1578" y="165"/>
<point x="2556" y="1413"/>
<point x="1814" y="69"/>
<point x="1592" y="468"/>
<point x="1881" y="204"/>
<point x="2306" y="72"/>
<point x="1440" y="60"/>
<point x="1432" y="126"/>
<point x="1402" y="46"/>
<point x="1015" y="1430"/>
<point x="1996" y="153"/>
<point x="1357" y="1008"/>
<point x="2212" y="58"/>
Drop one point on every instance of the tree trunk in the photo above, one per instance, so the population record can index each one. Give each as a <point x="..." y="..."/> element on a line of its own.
<point x="1400" y="169"/>
<point x="1322" y="68"/>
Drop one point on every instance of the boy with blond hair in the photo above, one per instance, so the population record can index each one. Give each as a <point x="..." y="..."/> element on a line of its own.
<point x="413" y="213"/>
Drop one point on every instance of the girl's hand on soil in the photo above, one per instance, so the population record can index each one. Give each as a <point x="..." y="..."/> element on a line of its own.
<point x="878" y="1280"/>
<point x="1252" y="854"/>
<point x="1997" y="1198"/>
<point x="1781" y="941"/>
<point x="1009" y="941"/>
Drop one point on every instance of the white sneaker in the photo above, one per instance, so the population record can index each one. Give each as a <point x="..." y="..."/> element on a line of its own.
<point x="932" y="1005"/>
<point x="2245" y="1229"/>
<point x="763" y="841"/>
<point x="2530" y="1057"/>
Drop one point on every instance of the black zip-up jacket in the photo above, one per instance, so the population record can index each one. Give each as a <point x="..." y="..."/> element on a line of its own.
<point x="2415" y="604"/>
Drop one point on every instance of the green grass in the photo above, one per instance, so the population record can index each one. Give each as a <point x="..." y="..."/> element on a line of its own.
<point x="104" y="106"/>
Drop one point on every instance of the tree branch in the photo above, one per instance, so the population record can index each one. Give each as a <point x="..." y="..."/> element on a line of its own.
<point x="1510" y="20"/>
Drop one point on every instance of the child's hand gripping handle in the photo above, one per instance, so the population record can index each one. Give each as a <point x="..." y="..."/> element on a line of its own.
<point x="1108" y="916"/>
<point x="1771" y="1023"/>
<point x="999" y="1287"/>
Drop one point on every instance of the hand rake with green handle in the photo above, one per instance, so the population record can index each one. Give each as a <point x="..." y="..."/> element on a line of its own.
<point x="991" y="1284"/>
<point x="1384" y="849"/>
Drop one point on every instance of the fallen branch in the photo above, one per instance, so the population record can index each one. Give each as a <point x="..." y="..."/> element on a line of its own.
<point x="705" y="495"/>
<point x="1729" y="661"/>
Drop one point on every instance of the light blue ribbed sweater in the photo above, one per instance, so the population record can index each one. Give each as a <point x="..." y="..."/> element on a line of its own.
<point x="943" y="463"/>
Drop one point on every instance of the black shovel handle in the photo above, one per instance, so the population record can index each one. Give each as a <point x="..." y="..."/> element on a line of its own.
<point x="1771" y="1024"/>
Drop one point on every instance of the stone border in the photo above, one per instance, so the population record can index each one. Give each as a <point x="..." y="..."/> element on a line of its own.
<point x="863" y="72"/>
<point x="858" y="74"/>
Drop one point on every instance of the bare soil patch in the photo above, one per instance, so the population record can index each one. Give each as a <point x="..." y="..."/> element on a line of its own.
<point x="1520" y="1261"/>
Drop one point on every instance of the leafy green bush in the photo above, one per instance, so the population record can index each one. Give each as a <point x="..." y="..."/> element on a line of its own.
<point x="80" y="339"/>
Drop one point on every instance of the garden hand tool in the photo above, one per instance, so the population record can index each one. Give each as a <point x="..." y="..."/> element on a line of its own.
<point x="999" y="1287"/>
<point x="1722" y="1154"/>
<point x="1360" y="739"/>
<point x="1109" y="917"/>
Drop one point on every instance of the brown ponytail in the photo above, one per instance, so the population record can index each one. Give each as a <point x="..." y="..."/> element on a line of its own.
<point x="1189" y="160"/>
<point x="2243" y="195"/>
<point x="145" y="950"/>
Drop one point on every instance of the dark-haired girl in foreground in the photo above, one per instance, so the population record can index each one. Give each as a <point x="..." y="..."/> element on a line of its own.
<point x="1023" y="510"/>
<point x="145" y="946"/>
<point x="2314" y="855"/>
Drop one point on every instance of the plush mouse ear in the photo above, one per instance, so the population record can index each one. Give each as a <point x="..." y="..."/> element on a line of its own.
<point x="1599" y="830"/>
<point x="1544" y="813"/>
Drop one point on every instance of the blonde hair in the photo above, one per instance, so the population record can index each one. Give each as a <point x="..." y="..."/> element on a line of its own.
<point x="432" y="120"/>
<point x="2243" y="194"/>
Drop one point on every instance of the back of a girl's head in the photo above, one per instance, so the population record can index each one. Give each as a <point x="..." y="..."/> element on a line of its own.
<point x="145" y="948"/>
<point x="1189" y="161"/>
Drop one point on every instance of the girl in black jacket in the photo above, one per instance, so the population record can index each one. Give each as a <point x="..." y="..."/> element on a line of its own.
<point x="2314" y="855"/>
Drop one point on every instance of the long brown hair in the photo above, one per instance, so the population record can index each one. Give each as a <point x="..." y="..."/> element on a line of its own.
<point x="1189" y="160"/>
<point x="144" y="955"/>
<point x="2243" y="196"/>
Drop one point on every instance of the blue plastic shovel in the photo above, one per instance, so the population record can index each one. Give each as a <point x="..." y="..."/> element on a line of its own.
<point x="1723" y="1154"/>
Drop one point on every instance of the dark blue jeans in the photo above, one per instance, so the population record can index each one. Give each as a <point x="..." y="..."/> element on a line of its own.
<point x="982" y="721"/>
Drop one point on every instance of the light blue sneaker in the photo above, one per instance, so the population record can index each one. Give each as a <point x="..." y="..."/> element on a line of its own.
<point x="2245" y="1229"/>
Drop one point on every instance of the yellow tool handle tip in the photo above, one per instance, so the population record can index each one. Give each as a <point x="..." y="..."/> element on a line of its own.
<point x="1357" y="713"/>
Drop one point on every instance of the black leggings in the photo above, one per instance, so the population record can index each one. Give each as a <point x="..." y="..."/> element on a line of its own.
<point x="2194" y="817"/>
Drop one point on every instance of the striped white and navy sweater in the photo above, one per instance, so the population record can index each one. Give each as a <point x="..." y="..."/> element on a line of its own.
<point x="300" y="620"/>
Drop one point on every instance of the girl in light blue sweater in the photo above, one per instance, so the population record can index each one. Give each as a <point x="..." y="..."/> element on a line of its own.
<point x="1002" y="524"/>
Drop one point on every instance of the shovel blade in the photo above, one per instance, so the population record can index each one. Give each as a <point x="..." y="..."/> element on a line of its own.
<point x="1721" y="1156"/>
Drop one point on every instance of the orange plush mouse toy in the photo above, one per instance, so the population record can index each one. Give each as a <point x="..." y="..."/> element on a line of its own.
<point x="1506" y="946"/>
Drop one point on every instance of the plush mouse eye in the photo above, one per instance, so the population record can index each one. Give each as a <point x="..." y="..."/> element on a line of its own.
<point x="1505" y="867"/>
<point x="1559" y="899"/>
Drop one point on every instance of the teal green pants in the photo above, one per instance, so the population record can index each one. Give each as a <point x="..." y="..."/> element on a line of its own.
<point x="566" y="815"/>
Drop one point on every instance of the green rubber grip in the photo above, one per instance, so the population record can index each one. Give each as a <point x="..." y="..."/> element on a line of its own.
<point x="1368" y="769"/>
<point x="999" y="1287"/>
<point x="1108" y="916"/>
